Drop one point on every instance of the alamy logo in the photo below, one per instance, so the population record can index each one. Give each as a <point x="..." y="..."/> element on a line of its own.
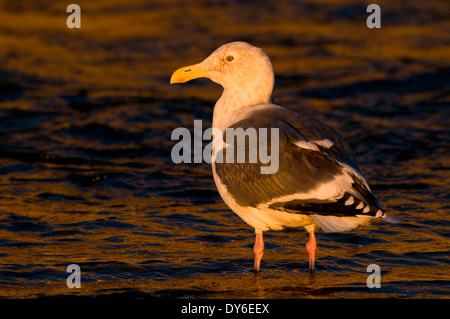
<point x="374" y="280"/>
<point x="74" y="280"/>
<point x="239" y="145"/>
<point x="74" y="19"/>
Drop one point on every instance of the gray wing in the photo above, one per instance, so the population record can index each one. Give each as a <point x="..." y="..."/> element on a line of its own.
<point x="311" y="154"/>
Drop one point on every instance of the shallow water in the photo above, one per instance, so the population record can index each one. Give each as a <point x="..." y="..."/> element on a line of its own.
<point x="86" y="175"/>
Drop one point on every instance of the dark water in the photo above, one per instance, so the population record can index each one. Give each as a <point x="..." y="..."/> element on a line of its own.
<point x="85" y="170"/>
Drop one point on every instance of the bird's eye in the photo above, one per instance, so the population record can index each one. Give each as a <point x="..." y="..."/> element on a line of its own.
<point x="229" y="58"/>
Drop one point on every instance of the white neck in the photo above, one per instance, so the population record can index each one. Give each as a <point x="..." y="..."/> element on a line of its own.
<point x="231" y="103"/>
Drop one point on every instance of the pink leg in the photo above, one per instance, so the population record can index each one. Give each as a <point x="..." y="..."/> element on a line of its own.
<point x="258" y="249"/>
<point x="311" y="247"/>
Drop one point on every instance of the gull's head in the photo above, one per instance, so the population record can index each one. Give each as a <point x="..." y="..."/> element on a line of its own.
<point x="240" y="68"/>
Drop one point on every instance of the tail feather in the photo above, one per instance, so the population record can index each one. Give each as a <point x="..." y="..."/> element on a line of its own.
<point x="390" y="220"/>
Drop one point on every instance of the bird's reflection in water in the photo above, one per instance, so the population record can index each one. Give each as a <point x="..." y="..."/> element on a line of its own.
<point x="307" y="283"/>
<point x="311" y="279"/>
<point x="260" y="292"/>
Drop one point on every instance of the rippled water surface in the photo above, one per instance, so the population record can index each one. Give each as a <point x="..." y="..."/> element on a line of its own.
<point x="85" y="170"/>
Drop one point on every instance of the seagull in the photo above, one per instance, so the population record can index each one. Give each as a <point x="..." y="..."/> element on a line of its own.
<point x="317" y="184"/>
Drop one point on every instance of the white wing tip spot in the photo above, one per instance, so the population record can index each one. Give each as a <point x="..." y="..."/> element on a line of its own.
<point x="349" y="201"/>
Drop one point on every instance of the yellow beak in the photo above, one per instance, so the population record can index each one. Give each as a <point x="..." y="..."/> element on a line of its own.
<point x="187" y="73"/>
